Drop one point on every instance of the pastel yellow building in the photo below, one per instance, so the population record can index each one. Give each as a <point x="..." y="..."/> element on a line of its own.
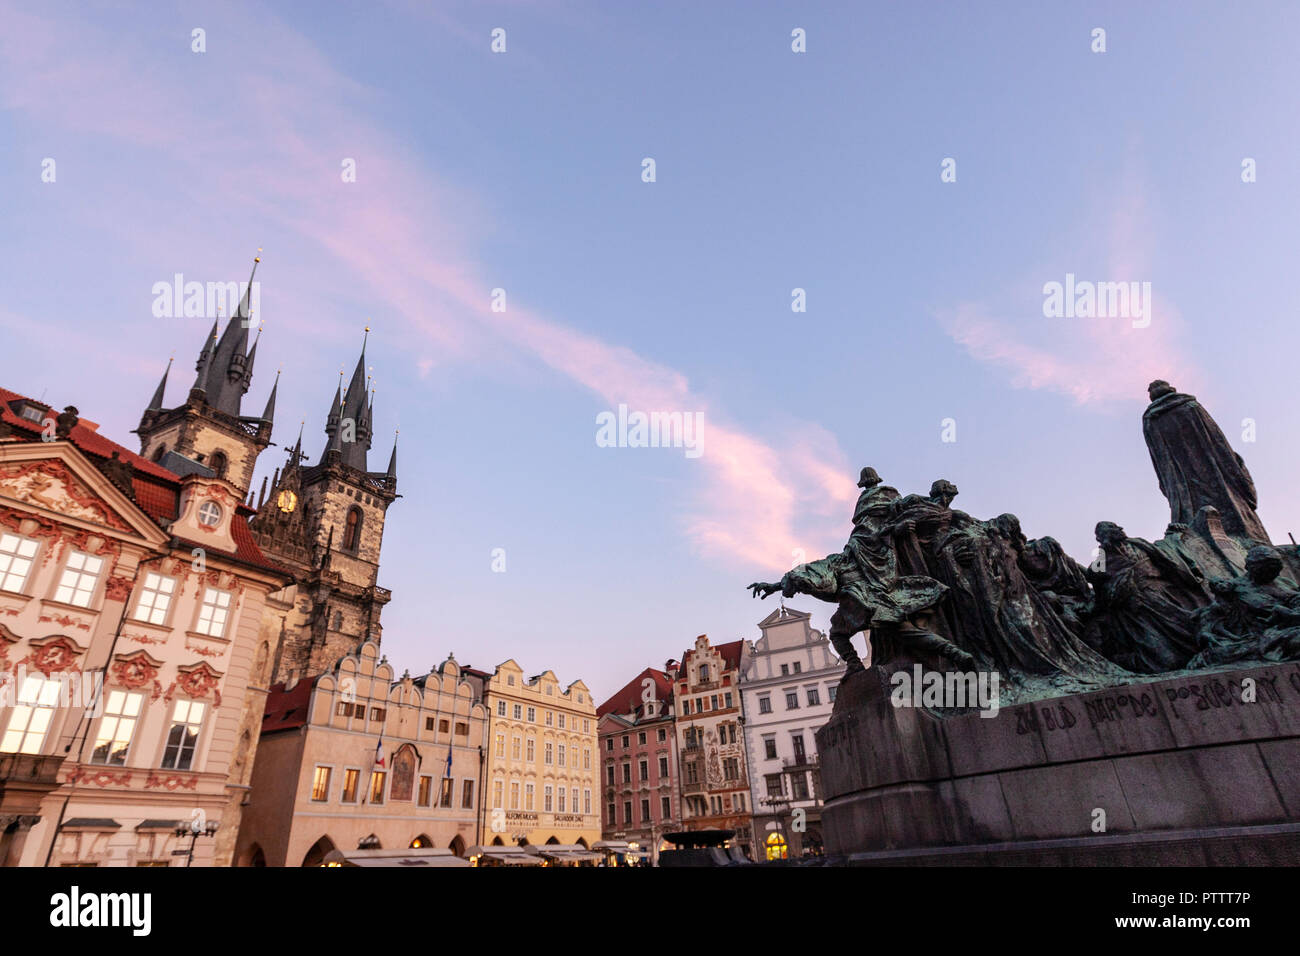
<point x="542" y="770"/>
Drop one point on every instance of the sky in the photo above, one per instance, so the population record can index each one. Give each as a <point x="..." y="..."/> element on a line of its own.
<point x="829" y="170"/>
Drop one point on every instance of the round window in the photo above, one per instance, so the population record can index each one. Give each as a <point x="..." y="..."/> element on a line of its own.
<point x="209" y="513"/>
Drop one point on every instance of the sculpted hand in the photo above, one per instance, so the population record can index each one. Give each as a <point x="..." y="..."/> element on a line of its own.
<point x="762" y="590"/>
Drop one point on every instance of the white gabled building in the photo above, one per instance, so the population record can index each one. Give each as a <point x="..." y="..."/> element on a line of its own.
<point x="788" y="685"/>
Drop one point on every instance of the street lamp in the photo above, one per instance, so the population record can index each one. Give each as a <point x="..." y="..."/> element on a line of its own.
<point x="195" y="829"/>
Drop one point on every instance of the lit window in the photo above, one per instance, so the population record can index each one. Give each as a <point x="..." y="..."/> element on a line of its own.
<point x="320" y="785"/>
<point x="121" y="711"/>
<point x="529" y="794"/>
<point x="532" y="750"/>
<point x="586" y="758"/>
<point x="550" y="753"/>
<point x="497" y="789"/>
<point x="549" y="717"/>
<point x="31" y="716"/>
<point x="16" y="556"/>
<point x="77" y="585"/>
<point x="586" y="801"/>
<point x="561" y="755"/>
<point x="514" y="748"/>
<point x="377" y="780"/>
<point x="562" y="801"/>
<point x="501" y="745"/>
<point x="426" y="790"/>
<point x="183" y="737"/>
<point x="209" y="514"/>
<point x="514" y="796"/>
<point x="155" y="598"/>
<point x="350" y="780"/>
<point x="548" y="797"/>
<point x="213" y="613"/>
<point x="467" y="795"/>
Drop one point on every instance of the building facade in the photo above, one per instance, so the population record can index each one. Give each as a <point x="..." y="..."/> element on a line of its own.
<point x="542" y="762"/>
<point x="789" y="683"/>
<point x="713" y="777"/>
<point x="355" y="759"/>
<point x="638" y="758"/>
<point x="131" y="602"/>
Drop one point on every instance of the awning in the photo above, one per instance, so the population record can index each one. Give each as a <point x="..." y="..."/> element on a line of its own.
<point x="412" y="856"/>
<point x="509" y="855"/>
<point x="91" y="823"/>
<point x="566" y="853"/>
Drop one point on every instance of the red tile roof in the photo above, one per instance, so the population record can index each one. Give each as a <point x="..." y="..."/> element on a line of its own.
<point x="287" y="709"/>
<point x="157" y="489"/>
<point x="628" y="699"/>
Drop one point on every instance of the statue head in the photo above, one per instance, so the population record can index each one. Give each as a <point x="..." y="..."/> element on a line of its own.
<point x="1109" y="533"/>
<point x="943" y="491"/>
<point x="1263" y="564"/>
<point x="868" y="478"/>
<point x="1008" y="526"/>
<point x="1158" y="388"/>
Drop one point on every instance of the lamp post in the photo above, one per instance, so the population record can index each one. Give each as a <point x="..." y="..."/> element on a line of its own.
<point x="195" y="829"/>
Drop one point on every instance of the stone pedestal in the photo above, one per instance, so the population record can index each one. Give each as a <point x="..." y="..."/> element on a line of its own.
<point x="1168" y="772"/>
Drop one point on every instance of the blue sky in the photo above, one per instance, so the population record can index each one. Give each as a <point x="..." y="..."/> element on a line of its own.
<point x="775" y="170"/>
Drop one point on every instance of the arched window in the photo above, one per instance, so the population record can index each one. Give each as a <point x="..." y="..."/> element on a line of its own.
<point x="219" y="463"/>
<point x="352" y="529"/>
<point x="159" y="452"/>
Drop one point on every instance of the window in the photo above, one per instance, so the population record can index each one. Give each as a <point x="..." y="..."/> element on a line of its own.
<point x="797" y="740"/>
<point x="121" y="711"/>
<point x="501" y="745"/>
<point x="769" y="748"/>
<point x="666" y="808"/>
<point x="740" y="802"/>
<point x="609" y="743"/>
<point x="550" y="755"/>
<point x="562" y="801"/>
<point x="586" y="758"/>
<point x="532" y="715"/>
<point x="586" y="801"/>
<point x="515" y="744"/>
<point x="212" y="615"/>
<point x="548" y="798"/>
<point x="426" y="790"/>
<point x="663" y="767"/>
<point x="791" y="700"/>
<point x="609" y="774"/>
<point x="320" y="785"/>
<point x="352" y="529"/>
<point x="798" y="667"/>
<point x="625" y="741"/>
<point x="731" y="768"/>
<point x="814" y="698"/>
<point x="627" y="811"/>
<point x="704" y="673"/>
<point x="377" y="780"/>
<point x="549" y="719"/>
<point x="560" y="754"/>
<point x="510" y="679"/>
<point x="514" y="795"/>
<point x="830" y="692"/>
<point x="645" y="811"/>
<point x="80" y="574"/>
<point x="613" y="820"/>
<point x="799" y="786"/>
<point x="785" y="670"/>
<point x="497" y="788"/>
<point x="350" y="780"/>
<point x="443" y="724"/>
<point x="31" y="716"/>
<point x="728" y="700"/>
<point x="501" y="708"/>
<point x="377" y="713"/>
<point x="218" y="463"/>
<point x="662" y="735"/>
<point x="183" y="737"/>
<point x="16" y="556"/>
<point x="627" y="773"/>
<point x="532" y="750"/>
<point x="765" y="705"/>
<point x="518" y="711"/>
<point x="561" y="721"/>
<point x="447" y="784"/>
<point x="586" y="724"/>
<point x="644" y="767"/>
<point x="640" y="738"/>
<point x="155" y="598"/>
<point x="529" y="794"/>
<point x="428" y="723"/>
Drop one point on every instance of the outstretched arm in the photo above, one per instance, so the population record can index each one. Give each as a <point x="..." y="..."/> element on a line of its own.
<point x="764" y="590"/>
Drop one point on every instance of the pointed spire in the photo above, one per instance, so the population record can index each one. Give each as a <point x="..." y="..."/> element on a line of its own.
<point x="268" y="414"/>
<point x="230" y="370"/>
<point x="156" y="403"/>
<point x="296" y="455"/>
<point x="392" y="461"/>
<point x="261" y="496"/>
<point x="355" y="407"/>
<point x="205" y="359"/>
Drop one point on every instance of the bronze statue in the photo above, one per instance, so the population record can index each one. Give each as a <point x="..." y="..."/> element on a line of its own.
<point x="1254" y="617"/>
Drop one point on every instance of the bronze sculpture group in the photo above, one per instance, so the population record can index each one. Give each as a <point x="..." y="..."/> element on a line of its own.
<point x="932" y="584"/>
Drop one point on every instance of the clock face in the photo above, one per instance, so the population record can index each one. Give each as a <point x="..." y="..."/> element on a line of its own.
<point x="287" y="501"/>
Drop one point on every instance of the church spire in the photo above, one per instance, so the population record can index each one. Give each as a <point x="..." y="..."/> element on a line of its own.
<point x="268" y="414"/>
<point x="354" y="442"/>
<point x="205" y="360"/>
<point x="156" y="403"/>
<point x="230" y="370"/>
<point x="392" y="462"/>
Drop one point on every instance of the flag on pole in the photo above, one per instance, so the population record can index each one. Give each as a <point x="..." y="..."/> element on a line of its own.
<point x="379" y="753"/>
<point x="446" y="774"/>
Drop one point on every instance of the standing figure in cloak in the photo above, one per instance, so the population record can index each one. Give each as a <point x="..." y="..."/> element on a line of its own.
<point x="1255" y="616"/>
<point x="863" y="579"/>
<point x="1002" y="613"/>
<point x="1147" y="600"/>
<point x="1196" y="466"/>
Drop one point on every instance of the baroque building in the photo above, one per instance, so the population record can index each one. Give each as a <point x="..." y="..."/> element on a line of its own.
<point x="638" y="755"/>
<point x="788" y="684"/>
<point x="714" y="777"/>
